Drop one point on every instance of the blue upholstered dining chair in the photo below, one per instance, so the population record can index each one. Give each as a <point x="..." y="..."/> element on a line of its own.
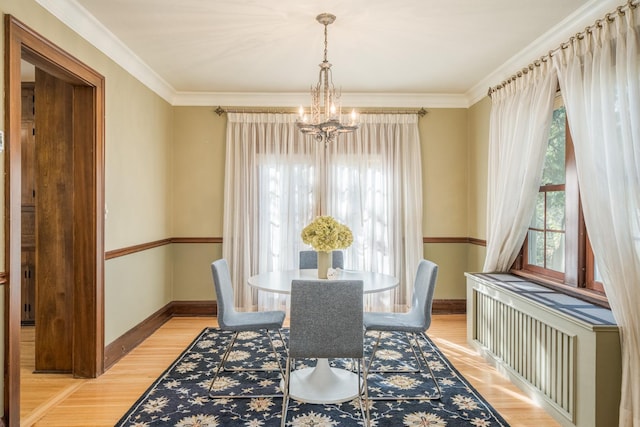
<point x="411" y="323"/>
<point x="326" y="322"/>
<point x="231" y="320"/>
<point x="309" y="259"/>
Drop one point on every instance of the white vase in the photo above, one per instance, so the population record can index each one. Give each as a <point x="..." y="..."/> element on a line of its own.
<point x="324" y="263"/>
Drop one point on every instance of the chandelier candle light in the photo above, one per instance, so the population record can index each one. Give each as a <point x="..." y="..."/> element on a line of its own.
<point x="324" y="120"/>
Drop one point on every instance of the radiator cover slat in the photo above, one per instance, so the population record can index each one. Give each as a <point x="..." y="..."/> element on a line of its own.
<point x="538" y="352"/>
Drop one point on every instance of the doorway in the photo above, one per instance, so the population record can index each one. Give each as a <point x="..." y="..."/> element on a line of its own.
<point x="72" y="192"/>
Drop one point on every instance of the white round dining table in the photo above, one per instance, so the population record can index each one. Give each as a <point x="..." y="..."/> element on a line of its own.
<point x="322" y="383"/>
<point x="280" y="281"/>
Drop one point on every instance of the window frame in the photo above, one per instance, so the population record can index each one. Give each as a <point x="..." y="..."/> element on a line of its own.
<point x="578" y="278"/>
<point x="535" y="269"/>
<point x="590" y="280"/>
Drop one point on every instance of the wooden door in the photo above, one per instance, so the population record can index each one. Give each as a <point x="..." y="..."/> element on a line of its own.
<point x="54" y="189"/>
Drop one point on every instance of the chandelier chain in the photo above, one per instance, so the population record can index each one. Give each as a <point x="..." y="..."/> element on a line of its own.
<point x="325" y="43"/>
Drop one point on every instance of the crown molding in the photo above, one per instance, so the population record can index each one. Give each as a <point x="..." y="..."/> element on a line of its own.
<point x="585" y="16"/>
<point x="88" y="27"/>
<point x="361" y="100"/>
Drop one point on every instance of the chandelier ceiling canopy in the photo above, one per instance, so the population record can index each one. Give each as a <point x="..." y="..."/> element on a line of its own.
<point x="325" y="115"/>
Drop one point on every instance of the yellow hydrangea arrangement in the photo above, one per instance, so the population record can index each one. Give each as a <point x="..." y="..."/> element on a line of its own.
<point x="325" y="234"/>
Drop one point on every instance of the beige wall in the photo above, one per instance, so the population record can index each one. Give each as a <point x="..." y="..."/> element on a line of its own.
<point x="198" y="192"/>
<point x="444" y="172"/>
<point x="192" y="270"/>
<point x="478" y="154"/>
<point x="139" y="139"/>
<point x="198" y="155"/>
<point x="452" y="262"/>
<point x="444" y="181"/>
<point x="137" y="286"/>
<point x="138" y="202"/>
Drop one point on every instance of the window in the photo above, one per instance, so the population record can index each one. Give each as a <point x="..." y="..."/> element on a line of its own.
<point x="277" y="180"/>
<point x="286" y="205"/>
<point x="289" y="194"/>
<point x="556" y="249"/>
<point x="546" y="237"/>
<point x="358" y="195"/>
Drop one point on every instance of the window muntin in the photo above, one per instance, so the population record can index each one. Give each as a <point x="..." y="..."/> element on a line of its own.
<point x="546" y="232"/>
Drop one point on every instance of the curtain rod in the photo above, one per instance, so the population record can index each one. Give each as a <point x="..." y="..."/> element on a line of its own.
<point x="222" y="110"/>
<point x="610" y="17"/>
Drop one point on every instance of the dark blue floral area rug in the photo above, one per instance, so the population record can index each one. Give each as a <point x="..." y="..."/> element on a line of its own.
<point x="180" y="396"/>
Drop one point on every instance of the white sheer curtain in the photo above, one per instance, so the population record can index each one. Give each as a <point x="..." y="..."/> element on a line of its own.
<point x="519" y="128"/>
<point x="277" y="181"/>
<point x="600" y="81"/>
<point x="375" y="182"/>
<point x="269" y="180"/>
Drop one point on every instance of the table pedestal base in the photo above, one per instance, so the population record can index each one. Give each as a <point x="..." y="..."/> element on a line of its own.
<point x="323" y="384"/>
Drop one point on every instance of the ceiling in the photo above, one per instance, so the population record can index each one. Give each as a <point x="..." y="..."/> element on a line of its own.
<point x="259" y="52"/>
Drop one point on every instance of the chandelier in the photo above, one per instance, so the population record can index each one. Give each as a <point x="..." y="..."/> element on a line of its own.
<point x="323" y="122"/>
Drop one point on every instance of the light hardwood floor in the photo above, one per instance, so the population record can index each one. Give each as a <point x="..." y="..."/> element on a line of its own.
<point x="59" y="400"/>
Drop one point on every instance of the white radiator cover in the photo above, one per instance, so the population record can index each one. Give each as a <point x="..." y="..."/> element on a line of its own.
<point x="569" y="364"/>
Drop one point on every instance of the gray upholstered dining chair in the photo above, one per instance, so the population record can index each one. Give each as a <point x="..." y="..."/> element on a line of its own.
<point x="326" y="322"/>
<point x="231" y="320"/>
<point x="309" y="259"/>
<point x="411" y="323"/>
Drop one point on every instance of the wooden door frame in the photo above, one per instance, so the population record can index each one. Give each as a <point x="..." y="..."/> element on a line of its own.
<point x="88" y="291"/>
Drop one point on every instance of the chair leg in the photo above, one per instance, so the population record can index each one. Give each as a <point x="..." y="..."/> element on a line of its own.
<point x="363" y="391"/>
<point x="379" y="371"/>
<point x="285" y="397"/>
<point x="227" y="352"/>
<point x="438" y="396"/>
<point x="275" y="352"/>
<point x="284" y="343"/>
<point x="275" y="355"/>
<point x="220" y="367"/>
<point x="426" y="363"/>
<point x="373" y="354"/>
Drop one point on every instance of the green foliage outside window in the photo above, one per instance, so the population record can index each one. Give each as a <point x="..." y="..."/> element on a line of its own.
<point x="554" y="170"/>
